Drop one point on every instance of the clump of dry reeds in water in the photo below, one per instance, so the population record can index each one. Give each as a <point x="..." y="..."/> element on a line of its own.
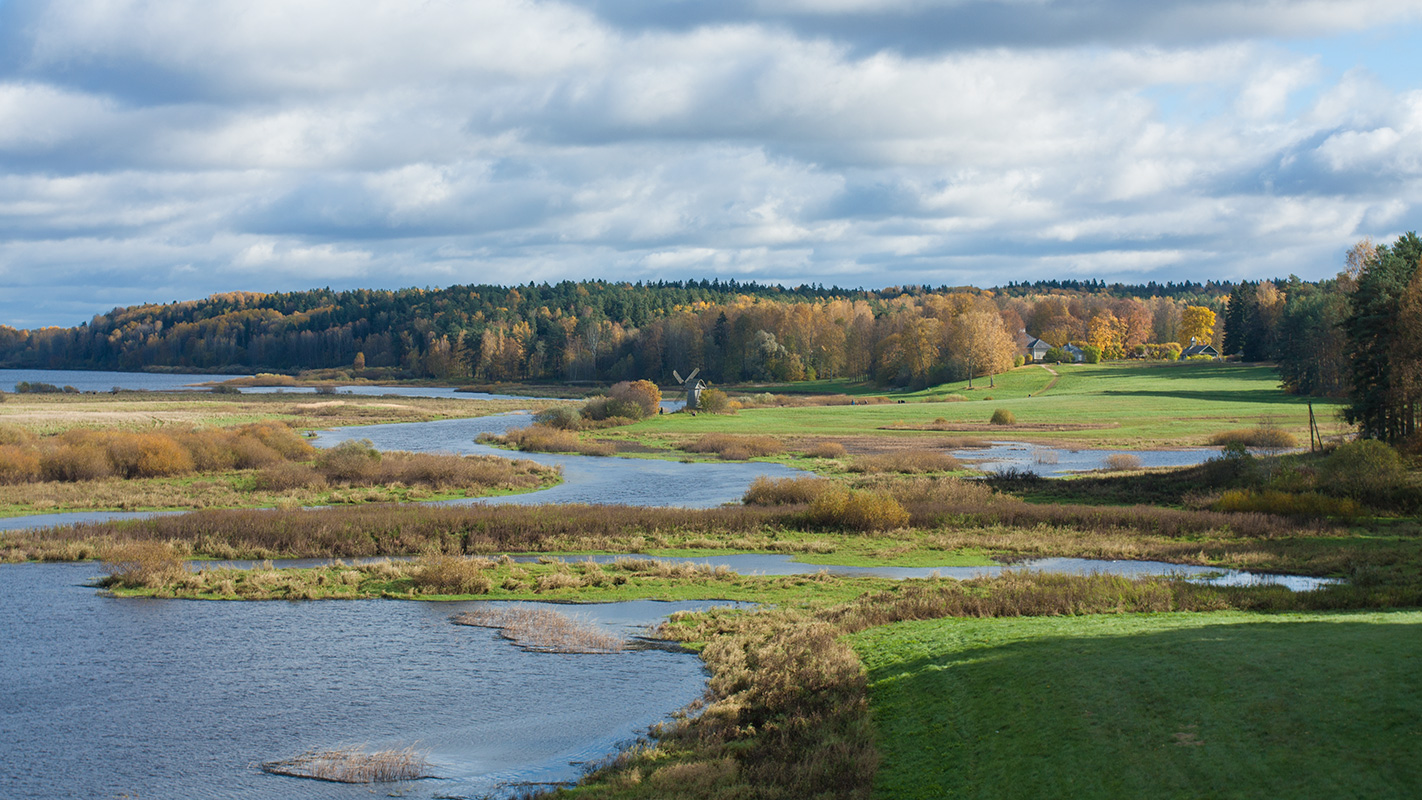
<point x="906" y="461"/>
<point x="735" y="447"/>
<point x="144" y="563"/>
<point x="354" y="765"/>
<point x="1265" y="435"/>
<point x="542" y="629"/>
<point x="1121" y="462"/>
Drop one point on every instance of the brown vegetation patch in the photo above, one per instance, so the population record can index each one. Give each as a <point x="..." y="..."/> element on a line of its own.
<point x="538" y="438"/>
<point x="735" y="447"/>
<point x="949" y="425"/>
<point x="907" y="461"/>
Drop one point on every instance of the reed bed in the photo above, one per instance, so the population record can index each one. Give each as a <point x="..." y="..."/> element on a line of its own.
<point x="1122" y="462"/>
<point x="1263" y="436"/>
<point x="826" y="450"/>
<point x="735" y="447"/>
<point x="539" y="438"/>
<point x="354" y="765"/>
<point x="543" y="630"/>
<point x="907" y="462"/>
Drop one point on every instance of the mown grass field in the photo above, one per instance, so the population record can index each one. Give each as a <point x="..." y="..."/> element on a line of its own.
<point x="1163" y="705"/>
<point x="1114" y="405"/>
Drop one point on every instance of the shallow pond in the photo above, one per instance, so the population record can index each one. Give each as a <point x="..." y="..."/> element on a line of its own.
<point x="1058" y="461"/>
<point x="109" y="697"/>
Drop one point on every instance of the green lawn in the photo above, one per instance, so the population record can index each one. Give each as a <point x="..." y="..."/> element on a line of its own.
<point x="1124" y="404"/>
<point x="1168" y="705"/>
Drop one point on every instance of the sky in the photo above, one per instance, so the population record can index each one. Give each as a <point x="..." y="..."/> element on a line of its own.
<point x="153" y="150"/>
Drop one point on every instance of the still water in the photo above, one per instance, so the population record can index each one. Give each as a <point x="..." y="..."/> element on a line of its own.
<point x="1058" y="461"/>
<point x="108" y="697"/>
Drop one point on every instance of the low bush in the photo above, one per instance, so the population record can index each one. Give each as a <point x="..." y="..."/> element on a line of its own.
<point x="36" y="387"/>
<point x="1003" y="416"/>
<point x="735" y="447"/>
<point x="543" y="439"/>
<point x="1365" y="468"/>
<point x="81" y="462"/>
<point x="602" y="408"/>
<point x="355" y="461"/>
<point x="714" y="401"/>
<point x="564" y="418"/>
<point x="906" y="461"/>
<point x="643" y="394"/>
<point x="18" y="464"/>
<point x="1263" y="436"/>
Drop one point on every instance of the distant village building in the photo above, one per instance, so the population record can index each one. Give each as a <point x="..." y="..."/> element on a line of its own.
<point x="1199" y="350"/>
<point x="1077" y="354"/>
<point x="1037" y="350"/>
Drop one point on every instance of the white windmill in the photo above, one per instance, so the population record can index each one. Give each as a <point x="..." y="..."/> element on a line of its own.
<point x="693" y="388"/>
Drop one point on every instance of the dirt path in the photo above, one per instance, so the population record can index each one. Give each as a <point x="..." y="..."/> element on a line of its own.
<point x="1053" y="382"/>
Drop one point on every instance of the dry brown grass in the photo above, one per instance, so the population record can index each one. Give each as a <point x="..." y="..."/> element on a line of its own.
<point x="441" y="573"/>
<point x="860" y="510"/>
<point x="765" y="491"/>
<point x="826" y="450"/>
<point x="354" y="765"/>
<point x="907" y="461"/>
<point x="543" y="630"/>
<point x="735" y="447"/>
<point x="142" y="564"/>
<point x="1263" y="436"/>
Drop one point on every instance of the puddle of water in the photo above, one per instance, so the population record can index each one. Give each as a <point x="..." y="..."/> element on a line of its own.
<point x="1056" y="462"/>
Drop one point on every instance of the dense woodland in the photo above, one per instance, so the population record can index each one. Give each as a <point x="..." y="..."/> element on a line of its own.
<point x="734" y="332"/>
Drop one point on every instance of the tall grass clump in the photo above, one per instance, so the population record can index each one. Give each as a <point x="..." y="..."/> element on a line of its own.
<point x="354" y="765"/>
<point x="1266" y="435"/>
<point x="1003" y="416"/>
<point x="858" y="510"/>
<point x="441" y="573"/>
<point x="1299" y="504"/>
<point x="826" y="450"/>
<point x="766" y="491"/>
<point x="141" y="563"/>
<point x="563" y="418"/>
<point x="735" y="447"/>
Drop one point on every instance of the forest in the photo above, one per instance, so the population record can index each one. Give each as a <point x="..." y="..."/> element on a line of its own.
<point x="598" y="331"/>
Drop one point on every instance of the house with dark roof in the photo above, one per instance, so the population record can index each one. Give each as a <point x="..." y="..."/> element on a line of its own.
<point x="1077" y="354"/>
<point x="1037" y="350"/>
<point x="1199" y="350"/>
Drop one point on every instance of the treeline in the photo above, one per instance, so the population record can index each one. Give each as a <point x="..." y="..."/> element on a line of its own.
<point x="599" y="331"/>
<point x="734" y="332"/>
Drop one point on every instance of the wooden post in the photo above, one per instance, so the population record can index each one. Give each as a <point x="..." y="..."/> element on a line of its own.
<point x="1313" y="430"/>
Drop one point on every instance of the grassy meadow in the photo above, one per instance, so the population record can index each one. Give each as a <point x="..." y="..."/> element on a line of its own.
<point x="1158" y="705"/>
<point x="1127" y="405"/>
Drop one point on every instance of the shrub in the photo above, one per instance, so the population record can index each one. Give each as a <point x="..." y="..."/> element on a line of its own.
<point x="564" y="418"/>
<point x="225" y="388"/>
<point x="26" y="387"/>
<point x="18" y="464"/>
<point x="826" y="450"/>
<point x="148" y="455"/>
<point x="643" y="394"/>
<point x="859" y="510"/>
<point x="14" y="434"/>
<point x="603" y="408"/>
<point x="734" y="447"/>
<point x="906" y="461"/>
<point x="83" y="462"/>
<point x="353" y="461"/>
<point x="766" y="491"/>
<point x="249" y="453"/>
<point x="1056" y="355"/>
<point x="1091" y="354"/>
<point x="280" y="438"/>
<point x="1003" y="416"/>
<point x="1120" y="462"/>
<point x="1364" y="468"/>
<point x="714" y="401"/>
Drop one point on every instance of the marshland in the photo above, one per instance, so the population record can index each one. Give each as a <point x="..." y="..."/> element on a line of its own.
<point x="820" y="684"/>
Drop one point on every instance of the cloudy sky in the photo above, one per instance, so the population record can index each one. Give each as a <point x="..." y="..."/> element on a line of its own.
<point x="156" y="150"/>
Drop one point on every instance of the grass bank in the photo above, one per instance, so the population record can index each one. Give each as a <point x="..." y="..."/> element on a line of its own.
<point x="1164" y="705"/>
